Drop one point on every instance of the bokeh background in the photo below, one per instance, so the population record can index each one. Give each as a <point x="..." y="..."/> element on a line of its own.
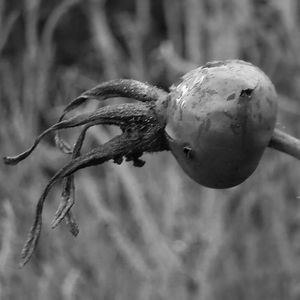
<point x="145" y="233"/>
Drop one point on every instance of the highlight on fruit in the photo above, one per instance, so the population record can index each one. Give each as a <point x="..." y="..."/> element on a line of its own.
<point x="217" y="122"/>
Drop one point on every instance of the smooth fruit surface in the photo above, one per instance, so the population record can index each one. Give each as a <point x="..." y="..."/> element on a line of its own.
<point x="220" y="119"/>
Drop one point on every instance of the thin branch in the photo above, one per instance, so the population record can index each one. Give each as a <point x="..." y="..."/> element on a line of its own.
<point x="53" y="21"/>
<point x="46" y="47"/>
<point x="103" y="39"/>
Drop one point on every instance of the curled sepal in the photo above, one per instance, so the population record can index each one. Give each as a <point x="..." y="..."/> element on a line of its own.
<point x="127" y="88"/>
<point x="67" y="201"/>
<point x="73" y="122"/>
<point x="94" y="157"/>
<point x="129" y="144"/>
<point x="109" y="115"/>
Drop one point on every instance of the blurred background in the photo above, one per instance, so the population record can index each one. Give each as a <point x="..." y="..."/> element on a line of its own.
<point x="145" y="233"/>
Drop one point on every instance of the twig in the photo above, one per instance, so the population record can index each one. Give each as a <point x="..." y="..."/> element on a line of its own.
<point x="102" y="37"/>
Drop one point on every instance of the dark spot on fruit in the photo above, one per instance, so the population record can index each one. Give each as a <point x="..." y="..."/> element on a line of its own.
<point x="188" y="152"/>
<point x="247" y="93"/>
<point x="231" y="97"/>
<point x="214" y="64"/>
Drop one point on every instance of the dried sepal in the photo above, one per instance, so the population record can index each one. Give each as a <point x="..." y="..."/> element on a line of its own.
<point x="68" y="193"/>
<point x="72" y="122"/>
<point x="142" y="132"/>
<point x="34" y="232"/>
<point x="106" y="115"/>
<point x="118" y="146"/>
<point x="127" y="88"/>
<point x="67" y="201"/>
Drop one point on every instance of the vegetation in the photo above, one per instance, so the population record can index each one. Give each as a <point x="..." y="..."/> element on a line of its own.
<point x="145" y="233"/>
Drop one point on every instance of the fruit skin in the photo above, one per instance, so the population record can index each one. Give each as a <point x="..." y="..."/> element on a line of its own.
<point x="220" y="119"/>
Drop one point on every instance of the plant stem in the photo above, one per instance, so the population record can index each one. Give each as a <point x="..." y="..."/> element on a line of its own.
<point x="286" y="143"/>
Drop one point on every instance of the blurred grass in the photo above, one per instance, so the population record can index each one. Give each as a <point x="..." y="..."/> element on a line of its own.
<point x="148" y="233"/>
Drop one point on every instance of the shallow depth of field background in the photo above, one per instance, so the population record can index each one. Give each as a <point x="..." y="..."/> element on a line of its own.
<point x="149" y="233"/>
